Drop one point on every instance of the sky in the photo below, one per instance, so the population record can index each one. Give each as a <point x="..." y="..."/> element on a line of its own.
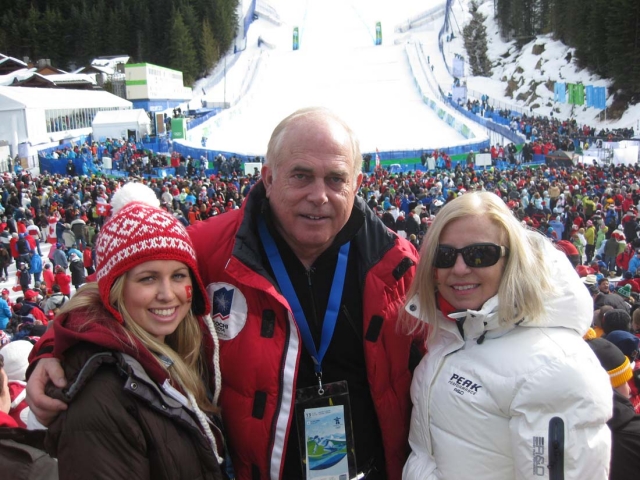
<point x="371" y="87"/>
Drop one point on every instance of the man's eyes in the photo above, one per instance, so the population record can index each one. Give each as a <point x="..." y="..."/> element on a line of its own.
<point x="336" y="179"/>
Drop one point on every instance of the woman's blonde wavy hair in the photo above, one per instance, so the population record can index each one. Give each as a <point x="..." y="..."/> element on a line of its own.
<point x="183" y="347"/>
<point x="526" y="280"/>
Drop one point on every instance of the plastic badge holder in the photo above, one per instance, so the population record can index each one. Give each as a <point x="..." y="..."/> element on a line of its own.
<point x="325" y="432"/>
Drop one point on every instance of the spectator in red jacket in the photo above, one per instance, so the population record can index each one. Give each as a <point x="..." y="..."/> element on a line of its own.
<point x="87" y="259"/>
<point x="5" y="401"/>
<point x="63" y="280"/>
<point x="48" y="276"/>
<point x="629" y="280"/>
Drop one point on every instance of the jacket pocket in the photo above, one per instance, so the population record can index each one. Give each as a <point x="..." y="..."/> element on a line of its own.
<point x="556" y="449"/>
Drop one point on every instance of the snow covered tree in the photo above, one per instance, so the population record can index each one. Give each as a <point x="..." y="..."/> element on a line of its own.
<point x="475" y="42"/>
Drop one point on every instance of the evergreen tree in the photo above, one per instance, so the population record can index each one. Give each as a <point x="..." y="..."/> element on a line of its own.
<point x="475" y="42"/>
<point x="31" y="26"/>
<point x="182" y="55"/>
<point x="209" y="49"/>
<point x="225" y="20"/>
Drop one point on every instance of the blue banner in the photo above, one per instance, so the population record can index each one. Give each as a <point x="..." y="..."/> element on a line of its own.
<point x="560" y="92"/>
<point x="600" y="101"/>
<point x="590" y="96"/>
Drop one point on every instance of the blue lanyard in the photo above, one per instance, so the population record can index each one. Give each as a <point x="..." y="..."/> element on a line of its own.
<point x="333" y="307"/>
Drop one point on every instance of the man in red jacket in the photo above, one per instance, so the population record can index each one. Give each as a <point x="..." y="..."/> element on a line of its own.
<point x="270" y="270"/>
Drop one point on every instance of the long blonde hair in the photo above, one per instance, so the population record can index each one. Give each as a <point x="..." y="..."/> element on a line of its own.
<point x="526" y="280"/>
<point x="182" y="347"/>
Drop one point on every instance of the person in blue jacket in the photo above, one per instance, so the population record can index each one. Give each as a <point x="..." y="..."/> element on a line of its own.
<point x="35" y="267"/>
<point x="5" y="314"/>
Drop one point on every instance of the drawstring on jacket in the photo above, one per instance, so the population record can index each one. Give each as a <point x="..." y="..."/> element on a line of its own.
<point x="202" y="418"/>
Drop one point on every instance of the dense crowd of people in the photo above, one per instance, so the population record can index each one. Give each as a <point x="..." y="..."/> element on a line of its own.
<point x="486" y="237"/>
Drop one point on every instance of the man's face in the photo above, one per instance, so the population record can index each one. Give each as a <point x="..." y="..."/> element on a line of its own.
<point x="604" y="286"/>
<point x="311" y="185"/>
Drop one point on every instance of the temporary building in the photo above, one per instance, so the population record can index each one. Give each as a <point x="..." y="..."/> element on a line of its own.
<point x="121" y="124"/>
<point x="44" y="115"/>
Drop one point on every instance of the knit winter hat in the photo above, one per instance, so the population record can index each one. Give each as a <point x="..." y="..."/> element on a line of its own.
<point x="625" y="291"/>
<point x="627" y="342"/>
<point x="139" y="231"/>
<point x="616" y="319"/>
<point x="612" y="360"/>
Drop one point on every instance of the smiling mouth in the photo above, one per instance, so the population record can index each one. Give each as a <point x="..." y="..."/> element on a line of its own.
<point x="163" y="312"/>
<point x="313" y="217"/>
<point x="462" y="288"/>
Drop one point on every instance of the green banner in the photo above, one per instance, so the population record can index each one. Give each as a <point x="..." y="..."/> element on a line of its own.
<point x="575" y="94"/>
<point x="178" y="128"/>
<point x="378" y="33"/>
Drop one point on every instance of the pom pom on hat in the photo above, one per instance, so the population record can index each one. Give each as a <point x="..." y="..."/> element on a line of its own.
<point x="612" y="360"/>
<point x="133" y="192"/>
<point x="138" y="231"/>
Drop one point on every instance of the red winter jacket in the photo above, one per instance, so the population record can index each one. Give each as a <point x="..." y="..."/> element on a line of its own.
<point x="254" y="360"/>
<point x="64" y="281"/>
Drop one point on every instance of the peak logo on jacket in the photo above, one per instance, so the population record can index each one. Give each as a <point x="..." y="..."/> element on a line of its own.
<point x="464" y="385"/>
<point x="228" y="309"/>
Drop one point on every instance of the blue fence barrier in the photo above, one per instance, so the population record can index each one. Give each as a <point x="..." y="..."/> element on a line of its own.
<point x="84" y="165"/>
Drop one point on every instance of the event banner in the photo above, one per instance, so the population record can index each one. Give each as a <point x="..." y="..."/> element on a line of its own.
<point x="560" y="92"/>
<point x="378" y="33"/>
<point x="458" y="66"/>
<point x="576" y="94"/>
<point x="296" y="38"/>
<point x="178" y="128"/>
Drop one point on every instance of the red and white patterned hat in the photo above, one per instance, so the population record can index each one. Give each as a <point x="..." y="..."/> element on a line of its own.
<point x="139" y="231"/>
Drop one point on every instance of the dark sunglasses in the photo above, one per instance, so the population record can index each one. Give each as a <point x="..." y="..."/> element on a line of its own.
<point x="477" y="255"/>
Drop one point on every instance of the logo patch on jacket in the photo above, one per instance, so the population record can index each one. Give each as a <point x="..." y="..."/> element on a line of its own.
<point x="463" y="386"/>
<point x="228" y="309"/>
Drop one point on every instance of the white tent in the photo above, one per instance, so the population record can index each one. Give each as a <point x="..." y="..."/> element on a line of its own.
<point x="27" y="114"/>
<point x="121" y="124"/>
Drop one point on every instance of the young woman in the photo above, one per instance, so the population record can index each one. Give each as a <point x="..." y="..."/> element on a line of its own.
<point x="140" y="355"/>
<point x="508" y="388"/>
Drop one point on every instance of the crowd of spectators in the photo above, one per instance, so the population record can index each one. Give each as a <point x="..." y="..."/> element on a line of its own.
<point x="591" y="212"/>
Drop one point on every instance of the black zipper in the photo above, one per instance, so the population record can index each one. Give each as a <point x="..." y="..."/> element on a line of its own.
<point x="556" y="449"/>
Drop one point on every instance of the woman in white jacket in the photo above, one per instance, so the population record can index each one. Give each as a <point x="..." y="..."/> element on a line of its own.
<point x="509" y="389"/>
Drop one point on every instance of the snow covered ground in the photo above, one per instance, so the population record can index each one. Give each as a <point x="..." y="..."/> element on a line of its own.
<point x="527" y="68"/>
<point x="338" y="66"/>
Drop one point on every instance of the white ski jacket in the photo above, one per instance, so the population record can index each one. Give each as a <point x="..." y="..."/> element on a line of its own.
<point x="526" y="401"/>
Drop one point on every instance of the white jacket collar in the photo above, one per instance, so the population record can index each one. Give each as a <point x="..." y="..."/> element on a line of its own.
<point x="569" y="307"/>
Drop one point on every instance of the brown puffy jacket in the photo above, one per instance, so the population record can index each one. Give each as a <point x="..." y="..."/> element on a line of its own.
<point x="121" y="425"/>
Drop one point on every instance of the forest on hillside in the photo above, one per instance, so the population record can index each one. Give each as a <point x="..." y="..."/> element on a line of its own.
<point x="186" y="35"/>
<point x="604" y="33"/>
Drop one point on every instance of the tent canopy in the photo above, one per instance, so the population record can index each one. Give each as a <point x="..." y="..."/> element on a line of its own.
<point x="117" y="117"/>
<point x="58" y="98"/>
<point x="118" y="124"/>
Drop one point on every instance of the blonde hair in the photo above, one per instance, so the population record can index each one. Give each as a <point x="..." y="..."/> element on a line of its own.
<point x="182" y="347"/>
<point x="526" y="280"/>
<point x="319" y="113"/>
